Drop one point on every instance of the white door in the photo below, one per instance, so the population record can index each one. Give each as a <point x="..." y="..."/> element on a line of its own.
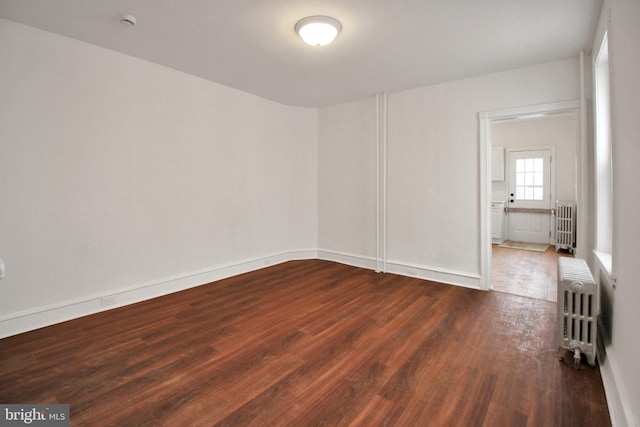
<point x="529" y="202"/>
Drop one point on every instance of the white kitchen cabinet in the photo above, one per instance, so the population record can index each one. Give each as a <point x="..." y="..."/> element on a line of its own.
<point x="497" y="164"/>
<point x="497" y="222"/>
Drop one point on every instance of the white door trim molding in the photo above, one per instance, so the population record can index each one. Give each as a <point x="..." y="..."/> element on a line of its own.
<point x="485" y="119"/>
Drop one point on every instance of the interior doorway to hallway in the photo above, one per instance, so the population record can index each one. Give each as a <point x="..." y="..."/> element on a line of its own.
<point x="493" y="186"/>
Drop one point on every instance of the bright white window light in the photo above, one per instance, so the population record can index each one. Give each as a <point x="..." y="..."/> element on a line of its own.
<point x="318" y="30"/>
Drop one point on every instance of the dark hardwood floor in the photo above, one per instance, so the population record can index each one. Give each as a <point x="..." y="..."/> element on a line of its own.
<point x="309" y="343"/>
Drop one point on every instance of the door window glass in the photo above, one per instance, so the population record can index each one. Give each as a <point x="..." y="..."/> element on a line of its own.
<point x="530" y="179"/>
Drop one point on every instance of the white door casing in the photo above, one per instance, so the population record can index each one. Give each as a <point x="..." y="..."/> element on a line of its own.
<point x="486" y="118"/>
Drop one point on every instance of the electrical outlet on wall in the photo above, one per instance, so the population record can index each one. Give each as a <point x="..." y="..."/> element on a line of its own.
<point x="1" y="269"/>
<point x="106" y="301"/>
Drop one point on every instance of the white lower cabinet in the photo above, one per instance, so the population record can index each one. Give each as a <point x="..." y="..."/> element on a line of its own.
<point x="497" y="222"/>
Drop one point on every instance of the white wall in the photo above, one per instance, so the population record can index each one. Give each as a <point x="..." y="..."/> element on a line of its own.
<point x="432" y="159"/>
<point x="347" y="179"/>
<point x="559" y="131"/>
<point x="117" y="173"/>
<point x="620" y="365"/>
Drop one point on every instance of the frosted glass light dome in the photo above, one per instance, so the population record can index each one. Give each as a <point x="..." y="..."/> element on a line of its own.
<point x="318" y="30"/>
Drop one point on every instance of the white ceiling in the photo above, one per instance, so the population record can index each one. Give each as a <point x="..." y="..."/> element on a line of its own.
<point x="385" y="45"/>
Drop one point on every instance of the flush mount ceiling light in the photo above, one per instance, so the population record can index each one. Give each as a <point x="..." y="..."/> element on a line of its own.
<point x="318" y="30"/>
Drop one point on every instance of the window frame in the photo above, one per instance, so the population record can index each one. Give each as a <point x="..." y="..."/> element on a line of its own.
<point x="603" y="153"/>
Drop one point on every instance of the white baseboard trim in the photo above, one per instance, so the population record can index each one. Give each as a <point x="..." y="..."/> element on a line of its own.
<point x="619" y="409"/>
<point x="440" y="275"/>
<point x="40" y="317"/>
<point x="349" y="259"/>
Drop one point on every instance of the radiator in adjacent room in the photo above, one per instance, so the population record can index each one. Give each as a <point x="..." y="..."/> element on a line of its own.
<point x="577" y="310"/>
<point x="565" y="225"/>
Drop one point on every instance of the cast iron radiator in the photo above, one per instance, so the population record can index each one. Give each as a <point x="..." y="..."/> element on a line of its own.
<point x="577" y="310"/>
<point x="565" y="225"/>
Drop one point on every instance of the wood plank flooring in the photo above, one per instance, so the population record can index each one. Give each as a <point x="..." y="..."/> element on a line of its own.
<point x="309" y="343"/>
<point x="526" y="273"/>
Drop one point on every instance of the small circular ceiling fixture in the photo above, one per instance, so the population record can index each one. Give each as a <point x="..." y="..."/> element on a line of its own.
<point x="318" y="30"/>
<point x="128" y="20"/>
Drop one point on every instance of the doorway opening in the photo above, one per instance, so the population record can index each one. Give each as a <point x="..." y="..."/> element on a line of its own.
<point x="539" y="164"/>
